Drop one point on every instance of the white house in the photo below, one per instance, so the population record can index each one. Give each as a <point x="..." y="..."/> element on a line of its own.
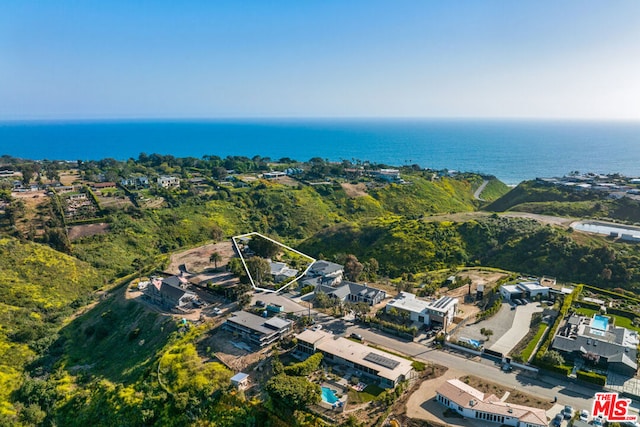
<point x="474" y="404"/>
<point x="524" y="290"/>
<point x="166" y="181"/>
<point x="438" y="312"/>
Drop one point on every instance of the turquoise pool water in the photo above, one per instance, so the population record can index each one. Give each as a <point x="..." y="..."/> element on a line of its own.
<point x="600" y="322"/>
<point x="329" y="395"/>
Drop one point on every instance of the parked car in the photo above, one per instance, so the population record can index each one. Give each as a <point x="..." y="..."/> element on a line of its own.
<point x="525" y="301"/>
<point x="356" y="336"/>
<point x="584" y="415"/>
<point x="567" y="411"/>
<point x="598" y="421"/>
<point x="260" y="303"/>
<point x="557" y="421"/>
<point x="316" y="327"/>
<point x="217" y="311"/>
<point x="517" y="301"/>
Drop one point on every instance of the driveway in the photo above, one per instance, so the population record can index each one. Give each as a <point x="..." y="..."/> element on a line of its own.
<point x="508" y="326"/>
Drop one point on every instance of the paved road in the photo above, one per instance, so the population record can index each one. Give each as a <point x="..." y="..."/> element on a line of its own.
<point x="546" y="387"/>
<point x="479" y="191"/>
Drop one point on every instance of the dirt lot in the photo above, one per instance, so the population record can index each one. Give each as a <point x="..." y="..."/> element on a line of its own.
<point x="79" y="231"/>
<point x="32" y="217"/>
<point x="118" y="202"/>
<point x="233" y="351"/>
<point x="68" y="178"/>
<point x="197" y="259"/>
<point x="354" y="190"/>
<point x="478" y="277"/>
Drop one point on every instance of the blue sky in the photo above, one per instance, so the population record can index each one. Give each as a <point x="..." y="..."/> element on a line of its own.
<point x="217" y="59"/>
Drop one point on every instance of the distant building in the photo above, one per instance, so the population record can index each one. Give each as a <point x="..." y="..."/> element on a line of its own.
<point x="166" y="181"/>
<point x="376" y="364"/>
<point x="474" y="404"/>
<point x="273" y="175"/>
<point x="389" y="175"/>
<point x="257" y="330"/>
<point x="103" y="185"/>
<point x="440" y="312"/>
<point x="596" y="342"/>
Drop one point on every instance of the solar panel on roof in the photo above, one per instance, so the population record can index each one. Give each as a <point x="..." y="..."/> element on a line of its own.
<point x="381" y="360"/>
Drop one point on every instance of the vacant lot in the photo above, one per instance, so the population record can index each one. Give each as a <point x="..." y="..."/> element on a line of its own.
<point x="354" y="190"/>
<point x="79" y="231"/>
<point x="197" y="259"/>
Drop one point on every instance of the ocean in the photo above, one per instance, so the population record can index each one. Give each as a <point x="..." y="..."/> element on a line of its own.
<point x="511" y="150"/>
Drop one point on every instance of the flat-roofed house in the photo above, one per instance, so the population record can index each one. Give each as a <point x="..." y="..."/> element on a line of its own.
<point x="379" y="365"/>
<point x="440" y="312"/>
<point x="258" y="330"/>
<point x="474" y="404"/>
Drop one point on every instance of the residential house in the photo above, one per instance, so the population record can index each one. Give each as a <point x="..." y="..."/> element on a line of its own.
<point x="281" y="271"/>
<point x="347" y="291"/>
<point x="102" y="185"/>
<point x="433" y="313"/>
<point x="530" y="289"/>
<point x="378" y="365"/>
<point x="257" y="330"/>
<point x="323" y="273"/>
<point x="170" y="293"/>
<point x="166" y="181"/>
<point x="596" y="342"/>
<point x="240" y="380"/>
<point x="273" y="175"/>
<point x="474" y="404"/>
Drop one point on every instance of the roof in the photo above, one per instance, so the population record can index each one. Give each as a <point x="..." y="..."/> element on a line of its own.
<point x="386" y="365"/>
<point x="175" y="281"/>
<point x="239" y="377"/>
<point x="345" y="289"/>
<point x="258" y="324"/>
<point x="443" y="304"/>
<point x="408" y="302"/>
<point x="325" y="267"/>
<point x="470" y="398"/>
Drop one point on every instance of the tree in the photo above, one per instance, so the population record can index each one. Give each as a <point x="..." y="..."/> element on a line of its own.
<point x="259" y="269"/>
<point x="291" y="393"/>
<point x="214" y="258"/>
<point x="486" y="332"/>
<point x="553" y="358"/>
<point x="352" y="268"/>
<point x="263" y="247"/>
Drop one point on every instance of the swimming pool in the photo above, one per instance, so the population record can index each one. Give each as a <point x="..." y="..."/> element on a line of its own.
<point x="329" y="395"/>
<point x="600" y="322"/>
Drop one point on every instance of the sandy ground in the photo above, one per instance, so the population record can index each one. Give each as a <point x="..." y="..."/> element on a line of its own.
<point x="79" y="231"/>
<point x="354" y="190"/>
<point x="478" y="277"/>
<point x="68" y="178"/>
<point x="197" y="259"/>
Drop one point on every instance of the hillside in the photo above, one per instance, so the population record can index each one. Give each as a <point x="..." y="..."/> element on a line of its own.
<point x="39" y="288"/>
<point x="403" y="245"/>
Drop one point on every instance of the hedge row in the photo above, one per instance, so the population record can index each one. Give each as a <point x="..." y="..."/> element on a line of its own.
<point x="413" y="331"/>
<point x="491" y="310"/>
<point x="610" y="293"/>
<point x="592" y="377"/>
<point x="307" y="289"/>
<point x="561" y="369"/>
<point x="566" y="305"/>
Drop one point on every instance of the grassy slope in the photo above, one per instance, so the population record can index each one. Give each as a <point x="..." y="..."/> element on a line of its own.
<point x="38" y="287"/>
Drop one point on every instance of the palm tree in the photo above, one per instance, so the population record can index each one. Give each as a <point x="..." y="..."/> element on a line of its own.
<point x="214" y="258"/>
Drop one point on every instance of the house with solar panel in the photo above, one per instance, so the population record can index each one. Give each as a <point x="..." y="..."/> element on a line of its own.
<point x="597" y="342"/>
<point x="431" y="313"/>
<point x="386" y="369"/>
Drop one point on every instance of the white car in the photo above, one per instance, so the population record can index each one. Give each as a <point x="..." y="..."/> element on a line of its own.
<point x="584" y="415"/>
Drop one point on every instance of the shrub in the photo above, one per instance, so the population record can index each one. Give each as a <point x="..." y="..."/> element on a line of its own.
<point x="592" y="377"/>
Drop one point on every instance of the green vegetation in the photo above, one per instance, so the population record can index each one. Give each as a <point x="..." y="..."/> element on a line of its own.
<point x="592" y="377"/>
<point x="528" y="351"/>
<point x="370" y="393"/>
<point x="115" y="362"/>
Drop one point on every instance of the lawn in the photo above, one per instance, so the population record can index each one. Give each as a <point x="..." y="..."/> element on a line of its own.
<point x="526" y="354"/>
<point x="367" y="395"/>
